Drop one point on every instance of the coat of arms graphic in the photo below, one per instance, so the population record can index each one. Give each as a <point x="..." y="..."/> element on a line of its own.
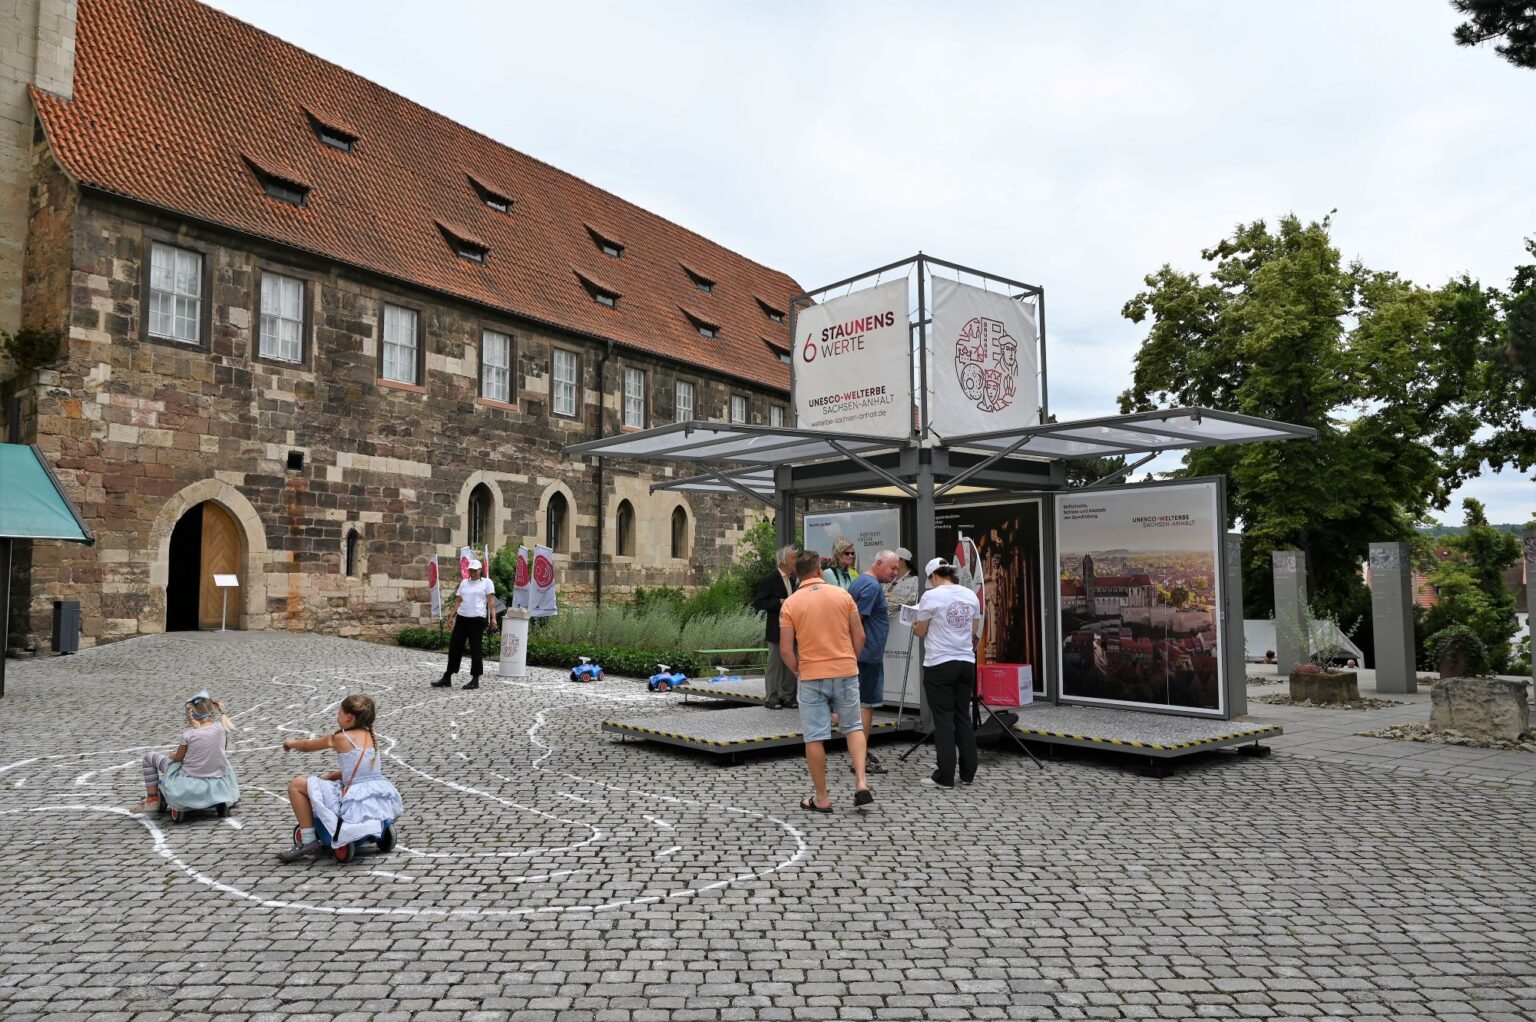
<point x="987" y="362"/>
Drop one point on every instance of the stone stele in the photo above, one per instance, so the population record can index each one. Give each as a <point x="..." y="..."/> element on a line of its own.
<point x="1486" y="707"/>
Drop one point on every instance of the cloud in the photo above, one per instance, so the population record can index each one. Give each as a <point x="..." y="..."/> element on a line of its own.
<point x="1075" y="146"/>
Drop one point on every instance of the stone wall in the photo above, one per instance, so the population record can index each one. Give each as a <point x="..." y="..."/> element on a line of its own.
<point x="141" y="431"/>
<point x="37" y="45"/>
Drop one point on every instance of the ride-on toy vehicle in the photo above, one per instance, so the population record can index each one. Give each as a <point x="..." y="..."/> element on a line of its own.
<point x="665" y="679"/>
<point x="587" y="671"/>
<point x="720" y="675"/>
<point x="346" y="853"/>
<point x="179" y="814"/>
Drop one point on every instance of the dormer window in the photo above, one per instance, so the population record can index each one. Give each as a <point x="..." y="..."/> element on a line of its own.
<point x="463" y="246"/>
<point x="336" y="137"/>
<point x="607" y="246"/>
<point x="492" y="198"/>
<point x="283" y="189"/>
<point x="774" y="315"/>
<point x="701" y="282"/>
<point x="336" y="140"/>
<point x="703" y="326"/>
<point x="600" y="294"/>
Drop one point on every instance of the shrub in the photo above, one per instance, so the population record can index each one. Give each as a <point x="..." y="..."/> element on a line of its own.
<point x="423" y="638"/>
<point x="738" y="630"/>
<point x="668" y="598"/>
<point x="1455" y="641"/>
<point x="728" y="594"/>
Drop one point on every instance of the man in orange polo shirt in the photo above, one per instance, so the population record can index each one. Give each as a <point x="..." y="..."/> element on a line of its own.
<point x="820" y="636"/>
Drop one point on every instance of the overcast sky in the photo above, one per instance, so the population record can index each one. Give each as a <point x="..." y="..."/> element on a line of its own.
<point x="1077" y="146"/>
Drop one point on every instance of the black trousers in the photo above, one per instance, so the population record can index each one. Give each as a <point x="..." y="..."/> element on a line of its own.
<point x="470" y="630"/>
<point x="949" y="687"/>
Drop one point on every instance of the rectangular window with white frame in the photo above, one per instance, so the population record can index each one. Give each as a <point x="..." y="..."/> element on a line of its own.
<point x="684" y="410"/>
<point x="175" y="294"/>
<point x="634" y="398"/>
<point x="282" y="318"/>
<point x="563" y="385"/>
<point x="738" y="408"/>
<point x="402" y="344"/>
<point x="496" y="366"/>
<point x="776" y="416"/>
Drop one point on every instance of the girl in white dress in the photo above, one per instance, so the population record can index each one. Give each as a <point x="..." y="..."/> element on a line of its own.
<point x="354" y="801"/>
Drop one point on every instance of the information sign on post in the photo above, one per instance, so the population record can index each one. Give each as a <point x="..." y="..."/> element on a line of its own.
<point x="853" y="364"/>
<point x="226" y="583"/>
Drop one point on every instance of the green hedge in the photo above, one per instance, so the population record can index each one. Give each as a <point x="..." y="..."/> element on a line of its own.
<point x="542" y="652"/>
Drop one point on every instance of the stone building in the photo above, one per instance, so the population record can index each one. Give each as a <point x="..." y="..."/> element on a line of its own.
<point x="312" y="333"/>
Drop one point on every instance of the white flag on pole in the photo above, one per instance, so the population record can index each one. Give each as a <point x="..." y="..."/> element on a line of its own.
<point x="432" y="583"/>
<point x="522" y="586"/>
<point x="543" y="604"/>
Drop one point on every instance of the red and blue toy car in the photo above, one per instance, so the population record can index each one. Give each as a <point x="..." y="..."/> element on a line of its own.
<point x="665" y="679"/>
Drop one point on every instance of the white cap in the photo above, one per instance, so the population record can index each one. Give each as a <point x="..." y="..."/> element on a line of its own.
<point x="903" y="553"/>
<point x="474" y="564"/>
<point x="934" y="565"/>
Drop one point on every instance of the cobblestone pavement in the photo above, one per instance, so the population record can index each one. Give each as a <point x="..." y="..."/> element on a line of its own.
<point x="549" y="872"/>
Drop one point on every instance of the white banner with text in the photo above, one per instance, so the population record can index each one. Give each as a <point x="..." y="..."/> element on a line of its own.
<point x="853" y="364"/>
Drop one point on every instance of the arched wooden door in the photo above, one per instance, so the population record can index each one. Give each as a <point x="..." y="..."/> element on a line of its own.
<point x="222" y="554"/>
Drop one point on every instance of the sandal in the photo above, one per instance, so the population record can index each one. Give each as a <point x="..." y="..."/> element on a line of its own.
<point x="863" y="797"/>
<point x="809" y="802"/>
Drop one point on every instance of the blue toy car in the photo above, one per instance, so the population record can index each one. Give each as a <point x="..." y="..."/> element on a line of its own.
<point x="587" y="671"/>
<point x="720" y="675"/>
<point x="346" y="853"/>
<point x="665" y="679"/>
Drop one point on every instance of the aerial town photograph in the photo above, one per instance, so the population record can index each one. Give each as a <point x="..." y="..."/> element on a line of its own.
<point x="718" y="512"/>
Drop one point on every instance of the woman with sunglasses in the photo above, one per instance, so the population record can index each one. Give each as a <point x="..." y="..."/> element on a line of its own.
<point x="844" y="567"/>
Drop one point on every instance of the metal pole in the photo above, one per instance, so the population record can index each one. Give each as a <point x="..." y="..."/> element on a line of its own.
<point x="1045" y="392"/>
<point x="922" y="349"/>
<point x="224" y="615"/>
<point x="5" y="609"/>
<point x="923" y="546"/>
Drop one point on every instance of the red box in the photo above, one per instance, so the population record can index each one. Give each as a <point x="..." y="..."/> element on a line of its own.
<point x="1006" y="684"/>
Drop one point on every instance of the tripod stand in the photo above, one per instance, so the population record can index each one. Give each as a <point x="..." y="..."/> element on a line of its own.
<point x="979" y="707"/>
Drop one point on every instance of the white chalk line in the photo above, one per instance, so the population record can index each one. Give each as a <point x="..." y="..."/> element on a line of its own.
<point x="162" y="845"/>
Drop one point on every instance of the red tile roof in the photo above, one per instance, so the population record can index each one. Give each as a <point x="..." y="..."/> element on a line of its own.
<point x="174" y="102"/>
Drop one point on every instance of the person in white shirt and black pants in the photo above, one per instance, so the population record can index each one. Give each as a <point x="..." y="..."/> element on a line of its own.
<point x="474" y="609"/>
<point x="948" y="618"/>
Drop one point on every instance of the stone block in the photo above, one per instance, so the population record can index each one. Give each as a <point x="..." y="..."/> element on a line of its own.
<point x="1334" y="687"/>
<point x="1484" y="707"/>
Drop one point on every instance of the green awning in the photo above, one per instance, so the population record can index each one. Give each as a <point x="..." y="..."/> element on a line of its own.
<point x="32" y="503"/>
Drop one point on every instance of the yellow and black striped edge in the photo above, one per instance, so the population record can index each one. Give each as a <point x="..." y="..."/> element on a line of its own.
<point x="619" y="727"/>
<point x="720" y="693"/>
<point x="1238" y="736"/>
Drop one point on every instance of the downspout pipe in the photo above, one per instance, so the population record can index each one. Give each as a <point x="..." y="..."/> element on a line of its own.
<point x="602" y="415"/>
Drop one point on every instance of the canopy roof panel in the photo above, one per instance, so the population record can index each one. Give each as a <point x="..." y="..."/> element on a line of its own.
<point x="736" y="443"/>
<point x="1173" y="429"/>
<point x="752" y="452"/>
<point x="32" y="503"/>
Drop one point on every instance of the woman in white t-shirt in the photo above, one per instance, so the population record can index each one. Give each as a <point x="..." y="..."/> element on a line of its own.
<point x="473" y="612"/>
<point x="948" y="618"/>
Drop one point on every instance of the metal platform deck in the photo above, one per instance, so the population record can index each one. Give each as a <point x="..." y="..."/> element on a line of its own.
<point x="736" y="729"/>
<point x="747" y="690"/>
<point x="1157" y="735"/>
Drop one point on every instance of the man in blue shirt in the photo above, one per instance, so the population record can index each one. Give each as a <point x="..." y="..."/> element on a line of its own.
<point x="868" y="592"/>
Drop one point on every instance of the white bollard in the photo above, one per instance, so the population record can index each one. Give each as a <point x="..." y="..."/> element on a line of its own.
<point x="514" y="644"/>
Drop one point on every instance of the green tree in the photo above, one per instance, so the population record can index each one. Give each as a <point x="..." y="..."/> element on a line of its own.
<point x="1513" y="21"/>
<point x="1384" y="371"/>
<point x="1506" y="375"/>
<point x="1469" y="584"/>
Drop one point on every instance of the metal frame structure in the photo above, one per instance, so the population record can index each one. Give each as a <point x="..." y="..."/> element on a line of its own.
<point x="781" y="466"/>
